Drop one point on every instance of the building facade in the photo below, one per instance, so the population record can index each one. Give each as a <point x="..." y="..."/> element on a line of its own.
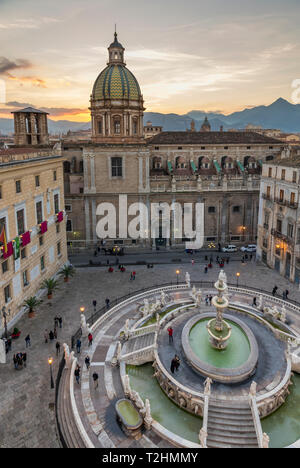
<point x="220" y="169"/>
<point x="279" y="216"/>
<point x="32" y="225"/>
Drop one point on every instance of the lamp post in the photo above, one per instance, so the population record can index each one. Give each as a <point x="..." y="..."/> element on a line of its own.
<point x="82" y="309"/>
<point x="50" y="362"/>
<point x="237" y="279"/>
<point x="177" y="275"/>
<point x="5" y="315"/>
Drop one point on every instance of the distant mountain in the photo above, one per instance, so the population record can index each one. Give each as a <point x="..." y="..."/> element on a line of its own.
<point x="281" y="114"/>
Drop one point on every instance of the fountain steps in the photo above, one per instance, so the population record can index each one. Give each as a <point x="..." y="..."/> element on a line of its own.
<point x="138" y="343"/>
<point x="230" y="426"/>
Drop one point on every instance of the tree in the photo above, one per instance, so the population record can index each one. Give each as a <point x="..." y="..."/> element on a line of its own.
<point x="31" y="304"/>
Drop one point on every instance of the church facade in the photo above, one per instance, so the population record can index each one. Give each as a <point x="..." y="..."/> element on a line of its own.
<point x="221" y="169"/>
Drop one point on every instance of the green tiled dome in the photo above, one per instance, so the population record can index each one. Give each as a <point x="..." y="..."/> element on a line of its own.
<point x="116" y="82"/>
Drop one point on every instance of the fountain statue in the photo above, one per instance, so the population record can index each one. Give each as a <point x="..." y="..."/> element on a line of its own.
<point x="282" y="317"/>
<point x="188" y="279"/>
<point x="163" y="299"/>
<point x="265" y="440"/>
<point x="2" y="352"/>
<point x="126" y="386"/>
<point x="253" y="389"/>
<point x="84" y="326"/>
<point x="198" y="297"/>
<point x="207" y="386"/>
<point x="69" y="357"/>
<point x="148" y="418"/>
<point x="126" y="329"/>
<point x="203" y="437"/>
<point x="260" y="302"/>
<point x="146" y="308"/>
<point x="218" y="329"/>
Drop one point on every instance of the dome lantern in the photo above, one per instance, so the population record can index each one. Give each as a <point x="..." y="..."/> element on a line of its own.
<point x="116" y="52"/>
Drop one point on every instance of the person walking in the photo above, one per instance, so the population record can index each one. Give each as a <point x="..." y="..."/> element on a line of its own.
<point x="24" y="359"/>
<point x="56" y="322"/>
<point x="170" y="332"/>
<point x="210" y="299"/>
<point x="27" y="341"/>
<point x="133" y="275"/>
<point x="287" y="293"/>
<point x="15" y="361"/>
<point x="51" y="335"/>
<point x="254" y="302"/>
<point x="55" y="333"/>
<point x="173" y="365"/>
<point x="77" y="374"/>
<point x="60" y="322"/>
<point x="274" y="291"/>
<point x="46" y="335"/>
<point x="57" y="348"/>
<point x="78" y="346"/>
<point x="95" y="379"/>
<point x="94" y="304"/>
<point x="87" y="362"/>
<point x="90" y="338"/>
<point x="177" y="362"/>
<point x="205" y="269"/>
<point x="107" y="302"/>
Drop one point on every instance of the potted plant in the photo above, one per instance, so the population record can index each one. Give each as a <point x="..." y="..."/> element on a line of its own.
<point x="50" y="284"/>
<point x="110" y="270"/>
<point x="15" y="334"/>
<point x="67" y="271"/>
<point x="31" y="304"/>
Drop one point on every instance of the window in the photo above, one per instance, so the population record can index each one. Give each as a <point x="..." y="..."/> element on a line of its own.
<point x="135" y="126"/>
<point x="81" y="190"/>
<point x="25" y="278"/>
<point x="156" y="148"/>
<point x="225" y="147"/>
<point x="236" y="209"/>
<point x="281" y="195"/>
<point x="58" y="249"/>
<point x="99" y="126"/>
<point x="211" y="209"/>
<point x="235" y="238"/>
<point x="117" y="126"/>
<point x="292" y="199"/>
<point x="211" y="239"/>
<point x="290" y="230"/>
<point x="203" y="148"/>
<point x="20" y="222"/>
<point x="37" y="181"/>
<point x="54" y="175"/>
<point x="23" y="253"/>
<point x="283" y="174"/>
<point x="279" y="225"/>
<point x="39" y="212"/>
<point x="116" y="167"/>
<point x="294" y="179"/>
<point x="180" y="147"/>
<point x="5" y="266"/>
<point x="268" y="192"/>
<point x="18" y="186"/>
<point x="298" y="236"/>
<point x="270" y="172"/>
<point x="7" y="295"/>
<point x="43" y="263"/>
<point x="57" y="228"/>
<point x="68" y="208"/>
<point x="69" y="225"/>
<point x="56" y="203"/>
<point x="41" y="240"/>
<point x="0" y="192"/>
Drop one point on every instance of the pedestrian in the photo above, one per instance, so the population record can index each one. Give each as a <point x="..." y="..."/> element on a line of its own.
<point x="130" y="276"/>
<point x="57" y="348"/>
<point x="51" y="335"/>
<point x="55" y="333"/>
<point x="95" y="379"/>
<point x="56" y="322"/>
<point x="210" y="299"/>
<point x="8" y="343"/>
<point x="133" y="275"/>
<point x="284" y="295"/>
<point x="60" y="322"/>
<point x="251" y="256"/>
<point x="78" y="346"/>
<point x="170" y="332"/>
<point x="87" y="362"/>
<point x="27" y="341"/>
<point x="173" y="365"/>
<point x="94" y="304"/>
<point x="20" y="360"/>
<point x="77" y="374"/>
<point x="193" y="262"/>
<point x="206" y="300"/>
<point x="15" y="361"/>
<point x="46" y="335"/>
<point x="287" y="293"/>
<point x="274" y="291"/>
<point x="177" y="362"/>
<point x="227" y="260"/>
<point x="205" y="269"/>
<point x="24" y="359"/>
<point x="90" y="338"/>
<point x="254" y="302"/>
<point x="107" y="302"/>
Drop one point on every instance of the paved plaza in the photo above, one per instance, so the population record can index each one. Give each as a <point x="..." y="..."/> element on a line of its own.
<point x="27" y="402"/>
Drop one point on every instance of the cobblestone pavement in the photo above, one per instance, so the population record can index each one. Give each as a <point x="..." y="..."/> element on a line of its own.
<point x="26" y="404"/>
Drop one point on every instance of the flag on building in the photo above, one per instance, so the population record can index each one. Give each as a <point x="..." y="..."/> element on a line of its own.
<point x="3" y="238"/>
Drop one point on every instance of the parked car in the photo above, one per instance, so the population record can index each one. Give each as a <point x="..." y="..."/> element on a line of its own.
<point x="249" y="248"/>
<point x="230" y="248"/>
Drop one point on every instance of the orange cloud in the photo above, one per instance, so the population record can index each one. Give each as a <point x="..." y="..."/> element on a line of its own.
<point x="29" y="79"/>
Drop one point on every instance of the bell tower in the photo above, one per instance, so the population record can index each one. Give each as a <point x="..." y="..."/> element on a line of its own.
<point x="31" y="127"/>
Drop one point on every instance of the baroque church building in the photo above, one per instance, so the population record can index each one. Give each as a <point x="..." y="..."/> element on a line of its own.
<point x="220" y="169"/>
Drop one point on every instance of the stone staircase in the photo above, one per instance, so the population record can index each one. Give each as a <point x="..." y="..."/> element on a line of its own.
<point x="69" y="436"/>
<point x="230" y="425"/>
<point x="139" y="349"/>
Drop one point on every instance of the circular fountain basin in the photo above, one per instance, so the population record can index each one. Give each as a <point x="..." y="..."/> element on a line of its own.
<point x="234" y="364"/>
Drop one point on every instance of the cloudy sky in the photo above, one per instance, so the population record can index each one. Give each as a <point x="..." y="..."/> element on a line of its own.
<point x="211" y="55"/>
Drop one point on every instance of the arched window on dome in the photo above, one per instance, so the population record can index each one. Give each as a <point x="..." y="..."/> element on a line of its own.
<point x="99" y="123"/>
<point x="134" y="126"/>
<point x="180" y="162"/>
<point x="117" y="125"/>
<point x="157" y="163"/>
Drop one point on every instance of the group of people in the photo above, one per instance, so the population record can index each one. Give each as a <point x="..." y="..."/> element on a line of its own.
<point x="175" y="363"/>
<point x="285" y="293"/>
<point x="208" y="299"/>
<point x="19" y="360"/>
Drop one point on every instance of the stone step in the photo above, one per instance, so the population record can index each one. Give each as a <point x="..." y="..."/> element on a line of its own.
<point x="229" y="428"/>
<point x="224" y="412"/>
<point x="245" y="422"/>
<point x="242" y="408"/>
<point x="232" y="441"/>
<point x="213" y="444"/>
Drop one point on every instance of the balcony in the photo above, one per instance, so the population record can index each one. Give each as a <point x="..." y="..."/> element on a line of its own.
<point x="289" y="204"/>
<point x="281" y="236"/>
<point x="265" y="196"/>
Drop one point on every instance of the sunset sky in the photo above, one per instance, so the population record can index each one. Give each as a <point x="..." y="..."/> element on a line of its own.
<point x="211" y="55"/>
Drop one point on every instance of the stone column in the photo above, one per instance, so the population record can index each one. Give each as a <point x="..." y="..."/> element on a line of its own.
<point x="92" y="165"/>
<point x="108" y="123"/>
<point x="86" y="158"/>
<point x="130" y="124"/>
<point x="94" y="220"/>
<point x="87" y="220"/>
